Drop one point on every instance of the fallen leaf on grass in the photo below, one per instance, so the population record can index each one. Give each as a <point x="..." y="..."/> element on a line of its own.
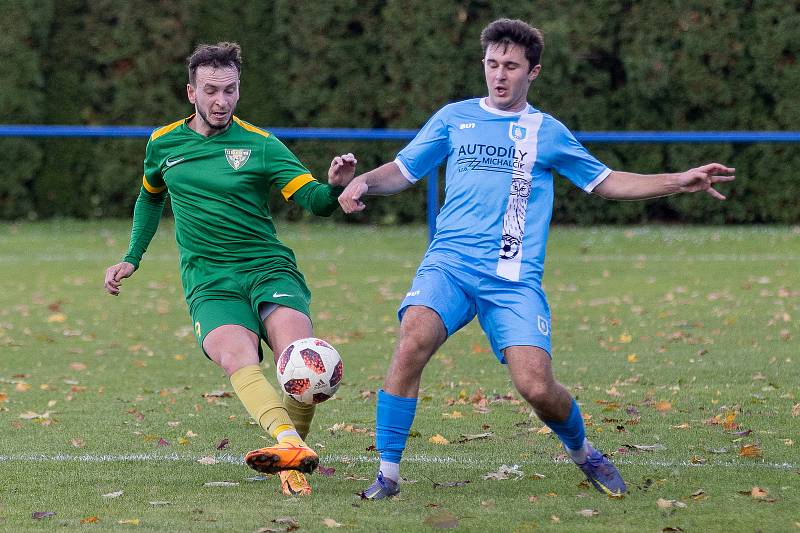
<point x="207" y="461"/>
<point x="663" y="406"/>
<point x="444" y="519"/>
<point x="163" y="442"/>
<point x="341" y="426"/>
<point x="450" y="484"/>
<point x="30" y="415"/>
<point x="22" y="387"/>
<point x="699" y="494"/>
<point x="129" y="522"/>
<point x="796" y="410"/>
<point x="79" y="367"/>
<point x="330" y="522"/>
<point x="327" y="472"/>
<point x="505" y="472"/>
<point x="750" y="450"/>
<point x="555" y="519"/>
<point x="588" y="513"/>
<point x="669" y="504"/>
<point x="115" y="494"/>
<point x="289" y="522"/>
<point x="438" y="439"/>
<point x="453" y="415"/>
<point x="757" y="493"/>
<point x="221" y="484"/>
<point x="221" y="445"/>
<point x="671" y="528"/>
<point x="78" y="443"/>
<point x="57" y="318"/>
<point x="38" y="515"/>
<point x="478" y="436"/>
<point x="217" y="394"/>
<point x="90" y="520"/>
<point x="646" y="448"/>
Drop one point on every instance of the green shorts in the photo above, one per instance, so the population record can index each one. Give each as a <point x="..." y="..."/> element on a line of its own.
<point x="234" y="298"/>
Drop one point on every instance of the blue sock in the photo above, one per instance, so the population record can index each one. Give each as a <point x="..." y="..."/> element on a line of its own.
<point x="570" y="431"/>
<point x="394" y="416"/>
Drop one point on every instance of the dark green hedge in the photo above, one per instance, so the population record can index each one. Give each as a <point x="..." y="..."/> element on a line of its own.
<point x="607" y="65"/>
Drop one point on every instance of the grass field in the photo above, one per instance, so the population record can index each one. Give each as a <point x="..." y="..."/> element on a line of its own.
<point x="679" y="343"/>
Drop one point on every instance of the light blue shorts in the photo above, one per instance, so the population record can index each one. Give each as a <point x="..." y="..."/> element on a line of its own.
<point x="510" y="313"/>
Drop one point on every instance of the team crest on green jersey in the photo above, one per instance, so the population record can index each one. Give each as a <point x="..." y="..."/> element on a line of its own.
<point x="237" y="157"/>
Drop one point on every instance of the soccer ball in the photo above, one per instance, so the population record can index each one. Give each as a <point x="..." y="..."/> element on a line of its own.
<point x="310" y="370"/>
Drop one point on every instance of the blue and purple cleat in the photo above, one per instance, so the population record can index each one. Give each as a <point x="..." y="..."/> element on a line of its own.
<point x="381" y="488"/>
<point x="603" y="474"/>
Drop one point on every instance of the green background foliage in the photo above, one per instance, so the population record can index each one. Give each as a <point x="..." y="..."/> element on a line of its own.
<point x="607" y="65"/>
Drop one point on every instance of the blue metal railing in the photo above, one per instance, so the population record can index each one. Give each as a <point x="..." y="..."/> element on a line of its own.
<point x="332" y="134"/>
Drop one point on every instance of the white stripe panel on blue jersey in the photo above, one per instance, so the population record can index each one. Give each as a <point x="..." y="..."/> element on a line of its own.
<point x="525" y="133"/>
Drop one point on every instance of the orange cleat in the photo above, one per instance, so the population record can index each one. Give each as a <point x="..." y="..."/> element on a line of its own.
<point x="294" y="483"/>
<point x="280" y="457"/>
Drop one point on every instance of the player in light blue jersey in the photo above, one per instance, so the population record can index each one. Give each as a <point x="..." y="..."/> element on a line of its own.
<point x="487" y="256"/>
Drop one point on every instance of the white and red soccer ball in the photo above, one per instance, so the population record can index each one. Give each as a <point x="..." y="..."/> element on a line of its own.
<point x="310" y="370"/>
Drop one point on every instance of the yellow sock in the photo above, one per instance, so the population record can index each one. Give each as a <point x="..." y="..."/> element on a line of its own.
<point x="300" y="413"/>
<point x="260" y="399"/>
<point x="288" y="434"/>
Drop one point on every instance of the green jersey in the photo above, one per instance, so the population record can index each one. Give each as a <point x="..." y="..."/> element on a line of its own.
<point x="219" y="188"/>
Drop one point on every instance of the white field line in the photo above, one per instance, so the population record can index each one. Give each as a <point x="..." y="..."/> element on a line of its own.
<point x="365" y="459"/>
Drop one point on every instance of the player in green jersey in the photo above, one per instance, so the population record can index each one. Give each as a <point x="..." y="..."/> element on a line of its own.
<point x="241" y="283"/>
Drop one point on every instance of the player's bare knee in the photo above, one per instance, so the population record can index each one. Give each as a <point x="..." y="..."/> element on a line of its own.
<point x="414" y="350"/>
<point x="230" y="361"/>
<point x="537" y="393"/>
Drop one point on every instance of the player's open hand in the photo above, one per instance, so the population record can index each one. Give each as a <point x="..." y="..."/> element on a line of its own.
<point x="115" y="274"/>
<point x="704" y="178"/>
<point x="350" y="199"/>
<point x="343" y="168"/>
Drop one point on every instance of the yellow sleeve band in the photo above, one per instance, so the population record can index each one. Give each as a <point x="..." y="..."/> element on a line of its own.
<point x="166" y="129"/>
<point x="149" y="188"/>
<point x="295" y="185"/>
<point x="249" y="127"/>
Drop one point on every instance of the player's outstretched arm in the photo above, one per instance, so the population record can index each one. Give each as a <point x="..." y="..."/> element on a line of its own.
<point x="383" y="181"/>
<point x="630" y="186"/>
<point x="115" y="274"/>
<point x="342" y="171"/>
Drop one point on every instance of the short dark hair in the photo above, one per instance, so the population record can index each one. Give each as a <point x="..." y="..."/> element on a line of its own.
<point x="218" y="55"/>
<point x="508" y="32"/>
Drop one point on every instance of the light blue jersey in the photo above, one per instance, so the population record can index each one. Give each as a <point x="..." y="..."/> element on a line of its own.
<point x="498" y="185"/>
